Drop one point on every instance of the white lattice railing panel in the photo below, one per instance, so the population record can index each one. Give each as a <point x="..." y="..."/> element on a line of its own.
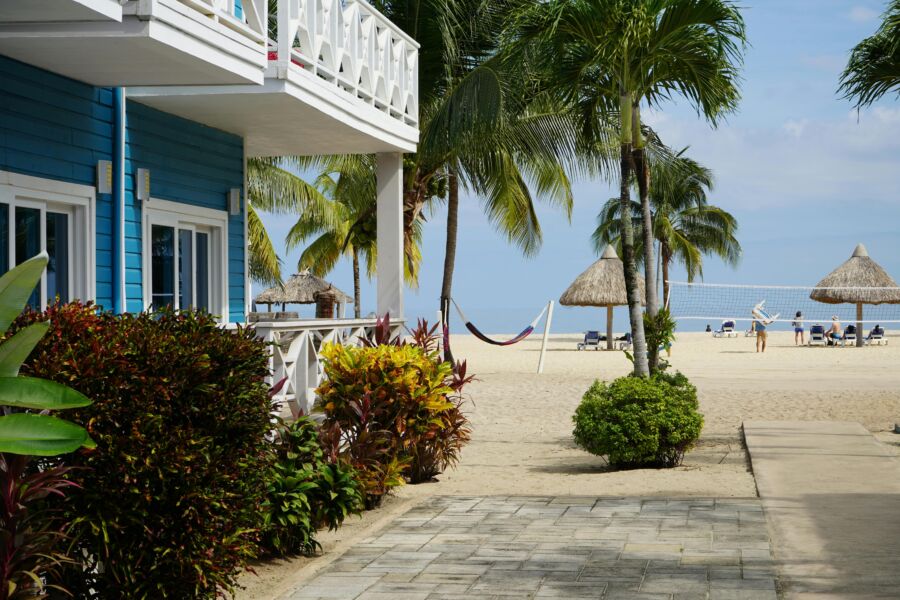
<point x="295" y="346"/>
<point x="246" y="17"/>
<point x="353" y="46"/>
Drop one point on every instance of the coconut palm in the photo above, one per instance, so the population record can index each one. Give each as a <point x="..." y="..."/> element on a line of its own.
<point x="348" y="226"/>
<point x="274" y="187"/>
<point x="873" y="70"/>
<point x="621" y="55"/>
<point x="685" y="226"/>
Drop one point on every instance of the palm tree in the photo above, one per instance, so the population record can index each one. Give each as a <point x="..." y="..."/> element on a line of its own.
<point x="685" y="226"/>
<point x="873" y="70"/>
<point x="273" y="187"/>
<point x="620" y="55"/>
<point x="348" y="226"/>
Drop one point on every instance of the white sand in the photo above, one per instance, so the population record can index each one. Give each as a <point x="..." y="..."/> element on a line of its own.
<point x="522" y="443"/>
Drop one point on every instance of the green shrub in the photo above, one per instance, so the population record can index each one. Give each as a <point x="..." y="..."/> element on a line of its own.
<point x="637" y="422"/>
<point x="393" y="411"/>
<point x="305" y="492"/>
<point x="171" y="499"/>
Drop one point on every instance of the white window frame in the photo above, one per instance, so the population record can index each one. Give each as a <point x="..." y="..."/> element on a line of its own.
<point x="76" y="200"/>
<point x="184" y="216"/>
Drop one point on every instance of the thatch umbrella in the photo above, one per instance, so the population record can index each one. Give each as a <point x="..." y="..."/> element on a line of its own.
<point x="301" y="288"/>
<point x="602" y="284"/>
<point x="860" y="281"/>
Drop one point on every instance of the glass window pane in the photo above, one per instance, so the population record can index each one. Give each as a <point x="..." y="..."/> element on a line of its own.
<point x="58" y="249"/>
<point x="4" y="238"/>
<point x="202" y="275"/>
<point x="162" y="266"/>
<point x="186" y="267"/>
<point x="28" y="243"/>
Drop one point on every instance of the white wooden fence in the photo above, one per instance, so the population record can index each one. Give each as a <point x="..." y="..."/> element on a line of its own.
<point x="295" y="347"/>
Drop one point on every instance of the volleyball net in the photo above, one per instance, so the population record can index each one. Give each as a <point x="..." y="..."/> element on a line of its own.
<point x="712" y="302"/>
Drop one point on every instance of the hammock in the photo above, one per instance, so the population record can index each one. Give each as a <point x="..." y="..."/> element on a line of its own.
<point x="474" y="330"/>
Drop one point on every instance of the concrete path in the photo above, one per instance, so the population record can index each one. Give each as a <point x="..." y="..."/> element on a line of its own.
<point x="567" y="547"/>
<point x="831" y="493"/>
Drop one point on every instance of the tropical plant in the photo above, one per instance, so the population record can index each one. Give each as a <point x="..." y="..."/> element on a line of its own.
<point x="873" y="70"/>
<point x="171" y="500"/>
<point x="617" y="56"/>
<point x="685" y="225"/>
<point x="348" y="225"/>
<point x="273" y="186"/>
<point x="305" y="491"/>
<point x="31" y="527"/>
<point x="393" y="409"/>
<point x="639" y="422"/>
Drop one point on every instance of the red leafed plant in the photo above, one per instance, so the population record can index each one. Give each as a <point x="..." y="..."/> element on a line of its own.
<point x="393" y="408"/>
<point x="31" y="529"/>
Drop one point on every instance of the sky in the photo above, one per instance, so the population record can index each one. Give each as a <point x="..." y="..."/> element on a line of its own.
<point x="806" y="176"/>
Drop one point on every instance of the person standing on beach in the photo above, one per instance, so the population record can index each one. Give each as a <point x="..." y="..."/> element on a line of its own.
<point x="761" y="334"/>
<point x="797" y="324"/>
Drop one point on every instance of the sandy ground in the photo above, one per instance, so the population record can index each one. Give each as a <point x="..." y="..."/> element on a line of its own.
<point x="522" y="421"/>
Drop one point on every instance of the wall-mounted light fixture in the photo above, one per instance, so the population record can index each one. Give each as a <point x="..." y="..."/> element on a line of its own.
<point x="234" y="201"/>
<point x="104" y="177"/>
<point x="142" y="185"/>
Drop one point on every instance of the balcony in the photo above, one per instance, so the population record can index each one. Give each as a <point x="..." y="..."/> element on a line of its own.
<point x="341" y="78"/>
<point x="140" y="42"/>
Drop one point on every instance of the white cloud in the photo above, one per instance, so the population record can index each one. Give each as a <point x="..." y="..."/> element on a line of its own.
<point x="795" y="128"/>
<point x="862" y="14"/>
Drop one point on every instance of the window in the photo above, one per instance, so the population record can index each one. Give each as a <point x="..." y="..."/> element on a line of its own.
<point x="186" y="257"/>
<point x="41" y="214"/>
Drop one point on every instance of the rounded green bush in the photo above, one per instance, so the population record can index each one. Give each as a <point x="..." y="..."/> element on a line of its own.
<point x="639" y="422"/>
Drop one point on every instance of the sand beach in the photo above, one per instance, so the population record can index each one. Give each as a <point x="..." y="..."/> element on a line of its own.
<point x="522" y="442"/>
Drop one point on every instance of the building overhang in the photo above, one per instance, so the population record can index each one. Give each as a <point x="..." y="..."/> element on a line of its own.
<point x="299" y="115"/>
<point x="153" y="42"/>
<point x="35" y="11"/>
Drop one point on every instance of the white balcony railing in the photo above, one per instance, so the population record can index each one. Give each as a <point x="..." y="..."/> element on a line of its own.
<point x="354" y="47"/>
<point x="294" y="354"/>
<point x="247" y="18"/>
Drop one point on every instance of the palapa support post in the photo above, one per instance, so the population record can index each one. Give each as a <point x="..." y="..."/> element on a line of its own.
<point x="610" y="344"/>
<point x="860" y="340"/>
<point x="546" y="335"/>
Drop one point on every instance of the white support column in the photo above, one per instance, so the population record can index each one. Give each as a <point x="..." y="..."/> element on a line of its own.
<point x="389" y="272"/>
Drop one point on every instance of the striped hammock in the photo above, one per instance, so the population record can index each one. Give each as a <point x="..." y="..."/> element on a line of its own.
<point x="474" y="330"/>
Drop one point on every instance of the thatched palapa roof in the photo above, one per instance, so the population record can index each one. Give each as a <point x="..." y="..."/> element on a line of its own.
<point x="602" y="284"/>
<point x="866" y="279"/>
<point x="301" y="288"/>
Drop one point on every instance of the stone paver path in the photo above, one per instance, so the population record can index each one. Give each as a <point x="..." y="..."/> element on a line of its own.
<point x="567" y="547"/>
<point x="831" y="493"/>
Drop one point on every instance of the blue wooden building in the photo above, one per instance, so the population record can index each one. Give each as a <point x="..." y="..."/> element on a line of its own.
<point x="125" y="129"/>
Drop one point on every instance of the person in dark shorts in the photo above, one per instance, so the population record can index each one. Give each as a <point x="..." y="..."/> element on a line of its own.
<point x="797" y="324"/>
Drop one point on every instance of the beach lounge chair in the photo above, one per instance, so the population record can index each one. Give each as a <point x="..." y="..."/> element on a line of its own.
<point x="817" y="335"/>
<point x="725" y="330"/>
<point x="849" y="335"/>
<point x="876" y="336"/>
<point x="624" y="342"/>
<point x="592" y="339"/>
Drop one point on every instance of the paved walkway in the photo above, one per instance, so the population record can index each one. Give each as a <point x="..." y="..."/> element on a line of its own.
<point x="832" y="497"/>
<point x="567" y="547"/>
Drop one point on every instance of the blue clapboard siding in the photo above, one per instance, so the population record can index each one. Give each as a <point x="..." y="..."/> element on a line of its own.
<point x="58" y="128"/>
<point x="189" y="163"/>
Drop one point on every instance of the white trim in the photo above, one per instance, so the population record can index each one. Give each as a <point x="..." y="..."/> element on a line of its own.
<point x="186" y="216"/>
<point x="76" y="200"/>
<point x="247" y="284"/>
<point x="120" y="165"/>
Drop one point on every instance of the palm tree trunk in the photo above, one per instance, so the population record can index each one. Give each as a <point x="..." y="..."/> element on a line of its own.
<point x="642" y="172"/>
<point x="666" y="258"/>
<point x="450" y="252"/>
<point x="357" y="299"/>
<point x="641" y="366"/>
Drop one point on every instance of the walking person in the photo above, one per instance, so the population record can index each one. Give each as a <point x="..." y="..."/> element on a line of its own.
<point x="797" y="324"/>
<point x="761" y="334"/>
